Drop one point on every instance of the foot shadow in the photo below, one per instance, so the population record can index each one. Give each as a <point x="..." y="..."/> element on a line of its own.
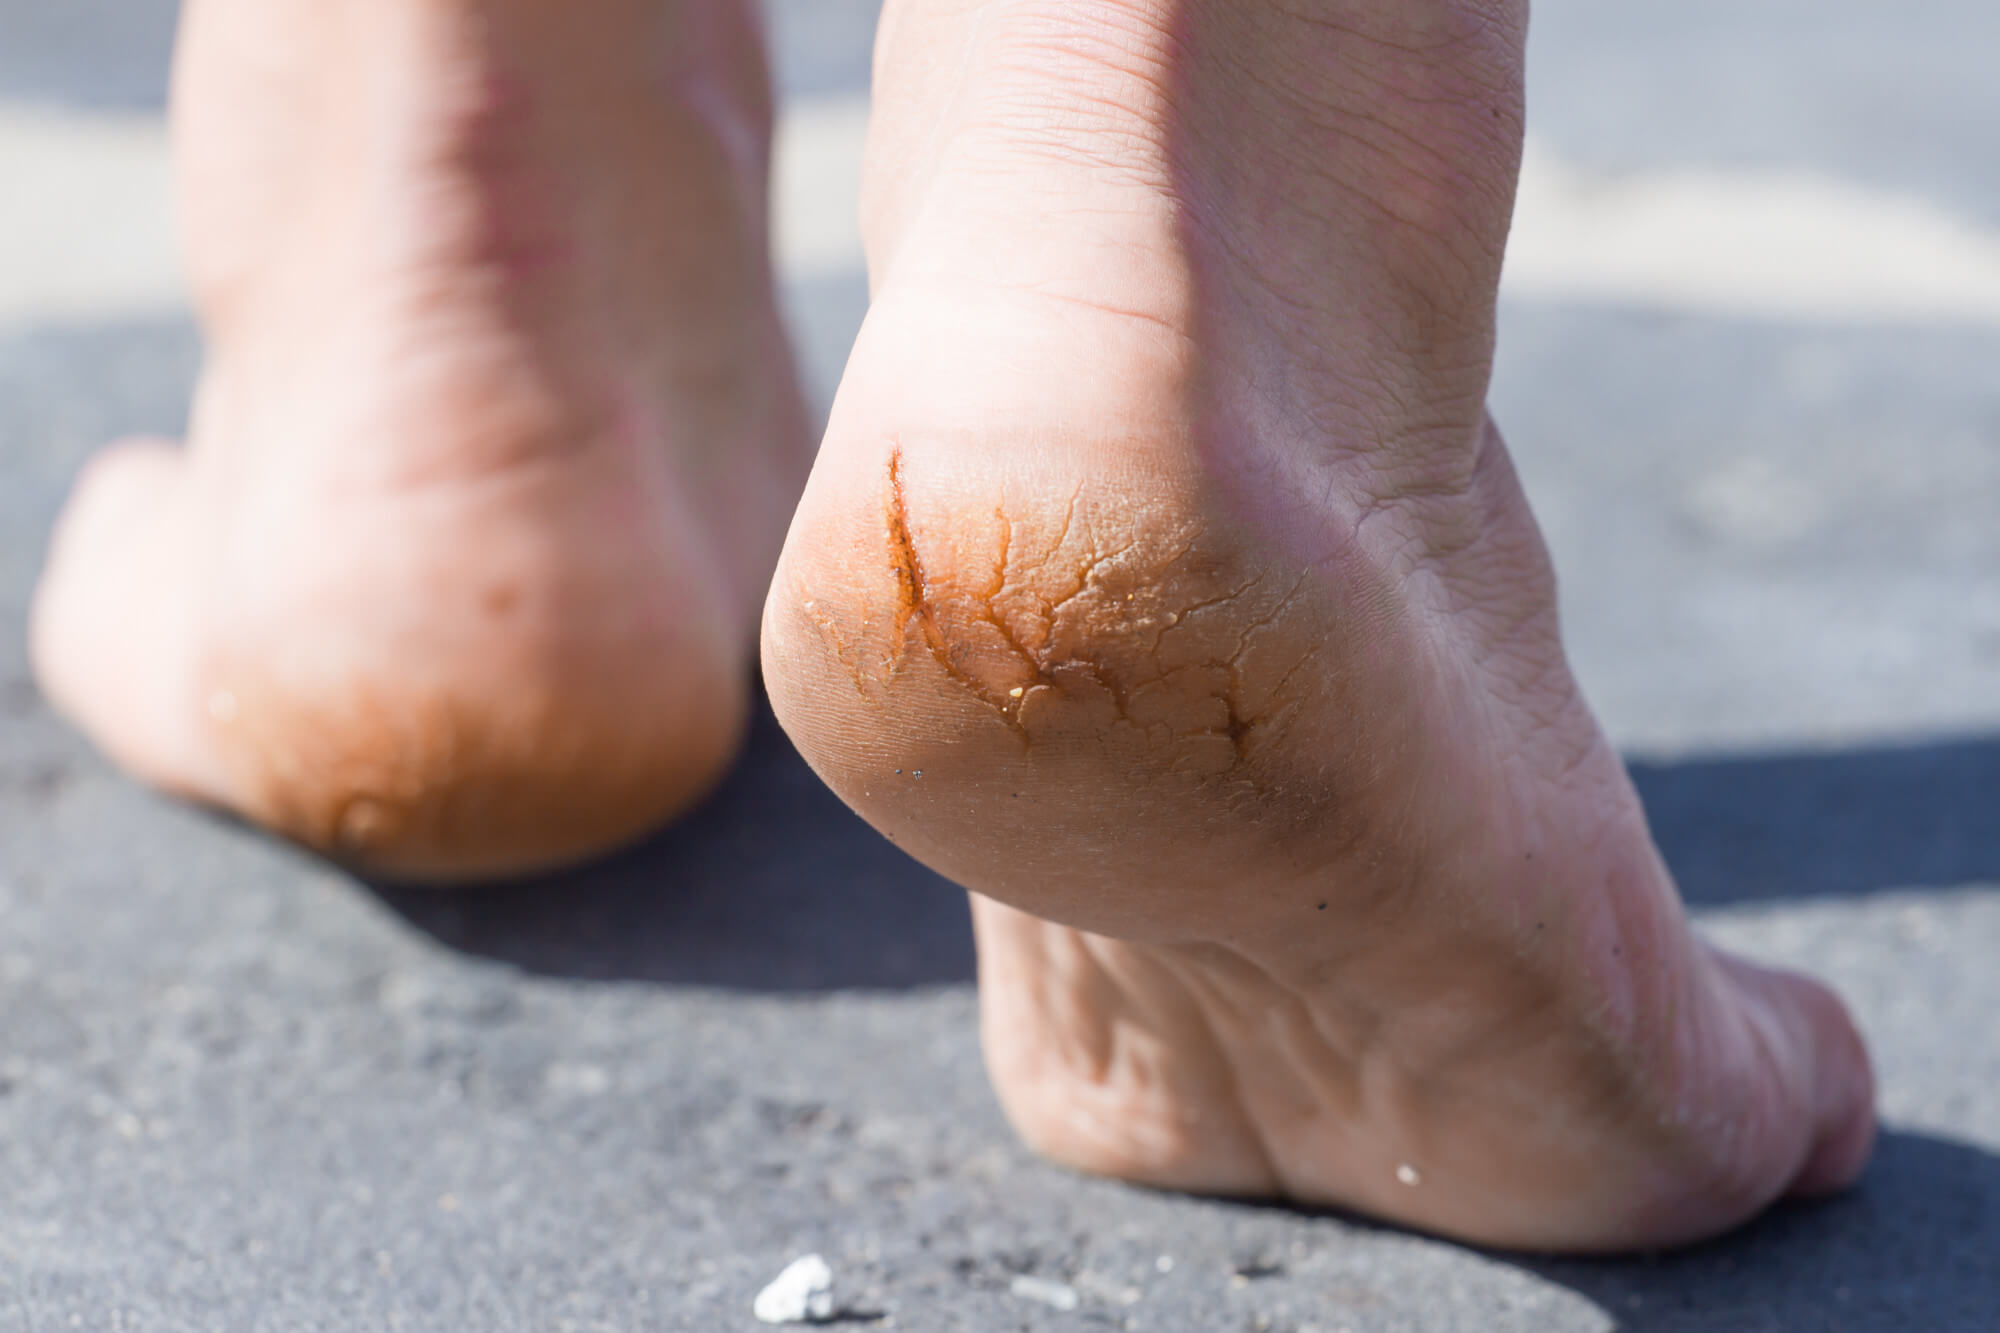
<point x="771" y="885"/>
<point x="774" y="885"/>
<point x="1833" y="824"/>
<point x="1916" y="1246"/>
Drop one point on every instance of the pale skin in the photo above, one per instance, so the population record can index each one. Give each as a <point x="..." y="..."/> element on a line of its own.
<point x="1160" y="523"/>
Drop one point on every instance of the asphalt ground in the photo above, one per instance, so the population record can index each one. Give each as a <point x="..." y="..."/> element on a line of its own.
<point x="240" y="1089"/>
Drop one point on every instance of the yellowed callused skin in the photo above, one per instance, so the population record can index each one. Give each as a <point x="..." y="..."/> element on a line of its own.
<point x="441" y="781"/>
<point x="1084" y="641"/>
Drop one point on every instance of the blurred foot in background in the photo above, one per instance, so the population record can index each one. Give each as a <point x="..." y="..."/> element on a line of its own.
<point x="459" y="571"/>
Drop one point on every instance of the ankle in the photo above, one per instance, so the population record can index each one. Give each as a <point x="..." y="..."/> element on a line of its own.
<point x="452" y="133"/>
<point x="1201" y="167"/>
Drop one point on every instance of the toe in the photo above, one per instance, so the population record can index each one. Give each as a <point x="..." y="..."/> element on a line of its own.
<point x="1843" y="1091"/>
<point x="111" y="634"/>
<point x="1824" y="1118"/>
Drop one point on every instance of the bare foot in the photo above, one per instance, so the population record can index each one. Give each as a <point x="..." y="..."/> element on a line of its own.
<point x="1163" y="580"/>
<point x="459" y="574"/>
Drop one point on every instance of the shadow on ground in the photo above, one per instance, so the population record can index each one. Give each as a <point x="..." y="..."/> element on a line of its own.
<point x="1917" y="1246"/>
<point x="1830" y="824"/>
<point x="773" y="885"/>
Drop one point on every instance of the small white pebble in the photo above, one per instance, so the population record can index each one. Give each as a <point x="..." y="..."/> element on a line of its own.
<point x="1056" y="1295"/>
<point x="1016" y="692"/>
<point x="802" y="1294"/>
<point x="1165" y="1263"/>
<point x="1409" y="1175"/>
<point x="577" y="1080"/>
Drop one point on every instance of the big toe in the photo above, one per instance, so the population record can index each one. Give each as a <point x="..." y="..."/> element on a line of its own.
<point x="110" y="633"/>
<point x="1818" y="1054"/>
<point x="1843" y="1092"/>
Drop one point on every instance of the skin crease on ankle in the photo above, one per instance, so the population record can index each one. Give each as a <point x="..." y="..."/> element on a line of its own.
<point x="1163" y="580"/>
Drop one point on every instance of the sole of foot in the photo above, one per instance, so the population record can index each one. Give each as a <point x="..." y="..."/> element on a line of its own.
<point x="1163" y="581"/>
<point x="459" y="573"/>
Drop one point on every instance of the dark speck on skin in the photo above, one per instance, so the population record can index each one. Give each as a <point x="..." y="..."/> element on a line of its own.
<point x="1322" y="907"/>
<point x="919" y="773"/>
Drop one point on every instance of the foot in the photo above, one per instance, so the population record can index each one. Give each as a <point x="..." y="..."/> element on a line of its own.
<point x="1162" y="580"/>
<point x="460" y="571"/>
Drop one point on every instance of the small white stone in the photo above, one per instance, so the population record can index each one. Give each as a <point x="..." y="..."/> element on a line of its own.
<point x="1056" y="1295"/>
<point x="802" y="1294"/>
<point x="577" y="1080"/>
<point x="1409" y="1175"/>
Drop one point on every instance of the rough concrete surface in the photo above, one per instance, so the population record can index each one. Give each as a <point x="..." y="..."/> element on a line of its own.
<point x="242" y="1090"/>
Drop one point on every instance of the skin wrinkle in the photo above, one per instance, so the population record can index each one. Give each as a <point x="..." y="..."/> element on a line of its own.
<point x="1372" y="404"/>
<point x="1084" y="990"/>
<point x="1162" y="324"/>
<point x="1071" y="981"/>
<point x="1346" y="446"/>
<point x="842" y="652"/>
<point x="1327" y="1080"/>
<point x="1406" y="148"/>
<point x="1141" y="56"/>
<point x="1362" y="131"/>
<point x="1222" y="235"/>
<point x="1214" y="1051"/>
<point x="1491" y="1053"/>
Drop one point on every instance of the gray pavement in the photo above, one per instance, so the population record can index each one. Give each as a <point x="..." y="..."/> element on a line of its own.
<point x="242" y="1090"/>
<point x="1894" y="94"/>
